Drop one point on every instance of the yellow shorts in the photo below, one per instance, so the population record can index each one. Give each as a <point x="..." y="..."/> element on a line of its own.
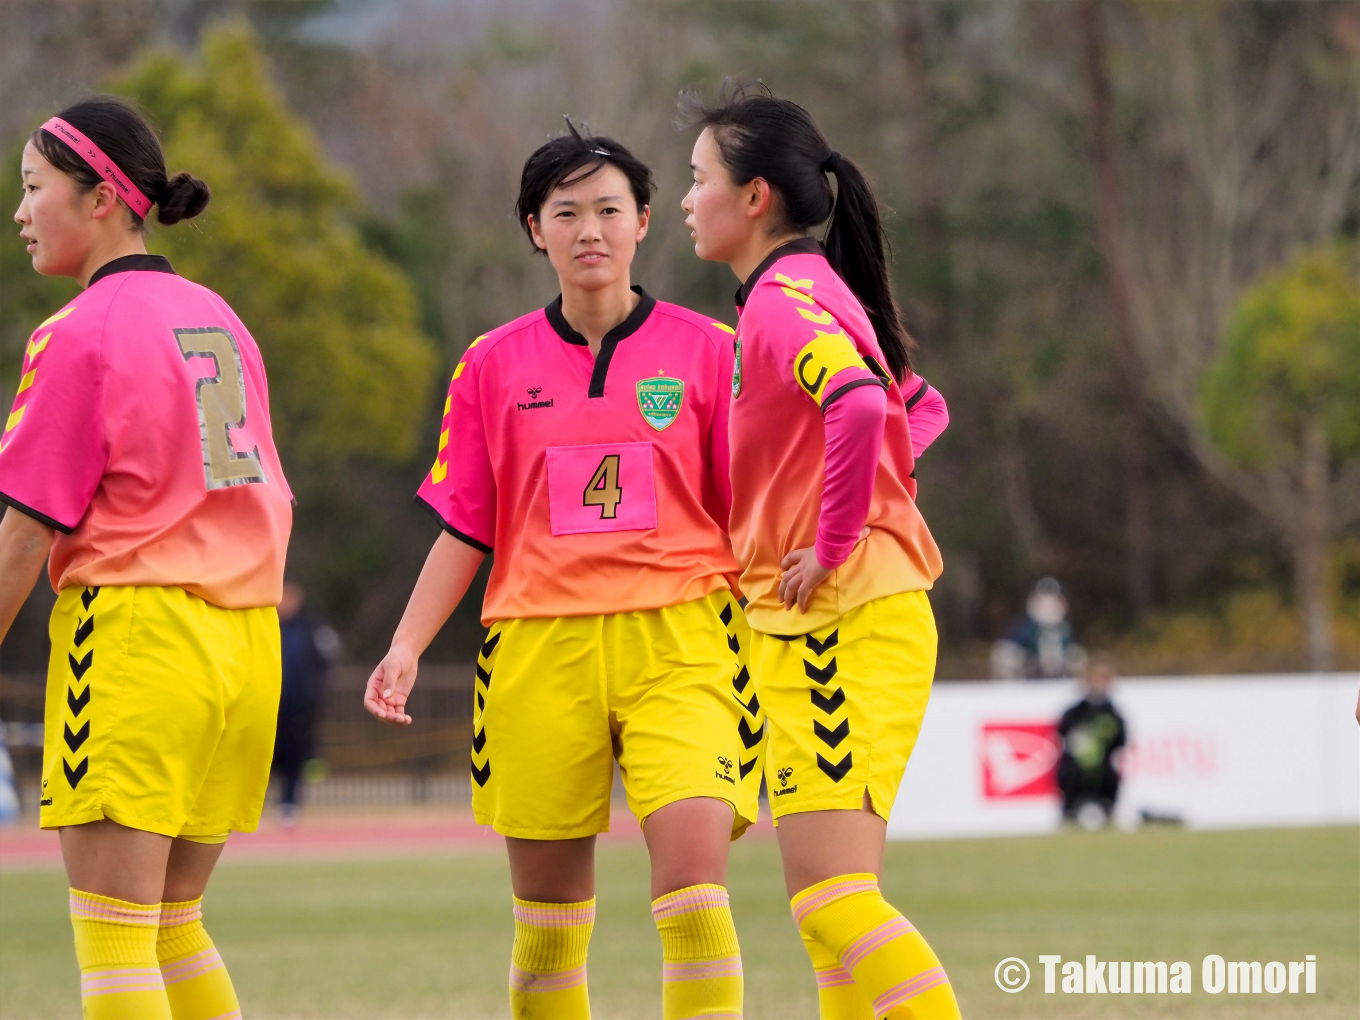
<point x="161" y="711"/>
<point x="845" y="705"/>
<point x="665" y="691"/>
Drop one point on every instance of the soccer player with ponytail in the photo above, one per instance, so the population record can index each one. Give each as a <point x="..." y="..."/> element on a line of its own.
<point x="836" y="559"/>
<point x="138" y="461"/>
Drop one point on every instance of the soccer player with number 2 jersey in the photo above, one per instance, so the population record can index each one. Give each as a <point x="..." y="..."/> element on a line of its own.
<point x="139" y="454"/>
<point x="836" y="559"/>
<point x="586" y="444"/>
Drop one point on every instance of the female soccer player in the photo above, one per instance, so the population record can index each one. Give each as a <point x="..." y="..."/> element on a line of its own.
<point x="139" y="454"/>
<point x="586" y="443"/>
<point x="836" y="559"/>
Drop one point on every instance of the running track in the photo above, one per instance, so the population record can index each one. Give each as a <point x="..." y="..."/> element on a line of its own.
<point x="330" y="834"/>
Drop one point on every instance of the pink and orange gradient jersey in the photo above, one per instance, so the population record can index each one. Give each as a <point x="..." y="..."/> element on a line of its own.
<point x="601" y="483"/>
<point x="141" y="434"/>
<point x="803" y="342"/>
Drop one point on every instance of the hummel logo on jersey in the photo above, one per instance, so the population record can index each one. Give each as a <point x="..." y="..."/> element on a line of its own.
<point x="534" y="402"/>
<point x="784" y="775"/>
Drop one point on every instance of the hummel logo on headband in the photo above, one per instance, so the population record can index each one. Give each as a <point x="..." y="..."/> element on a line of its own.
<point x="101" y="164"/>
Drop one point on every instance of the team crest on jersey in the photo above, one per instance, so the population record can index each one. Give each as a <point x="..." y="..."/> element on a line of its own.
<point x="659" y="400"/>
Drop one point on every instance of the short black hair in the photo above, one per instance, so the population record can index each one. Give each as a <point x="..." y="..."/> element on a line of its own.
<point x="557" y="161"/>
<point x="128" y="140"/>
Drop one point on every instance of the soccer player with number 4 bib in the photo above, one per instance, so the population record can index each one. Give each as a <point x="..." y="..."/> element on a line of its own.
<point x="586" y="443"/>
<point x="836" y="559"/>
<point x="139" y="454"/>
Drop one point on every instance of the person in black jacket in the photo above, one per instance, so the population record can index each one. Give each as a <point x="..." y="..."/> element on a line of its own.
<point x="309" y="648"/>
<point x="1092" y="731"/>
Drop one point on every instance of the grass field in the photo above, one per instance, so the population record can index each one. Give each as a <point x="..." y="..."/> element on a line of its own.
<point x="427" y="937"/>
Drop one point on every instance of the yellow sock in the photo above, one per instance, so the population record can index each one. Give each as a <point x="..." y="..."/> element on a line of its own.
<point x="548" y="966"/>
<point x="196" y="981"/>
<point x="116" y="949"/>
<point x="888" y="958"/>
<point x="701" y="972"/>
<point x="838" y="997"/>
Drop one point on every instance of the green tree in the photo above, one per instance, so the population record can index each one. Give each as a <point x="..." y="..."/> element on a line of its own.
<point x="1282" y="405"/>
<point x="337" y="323"/>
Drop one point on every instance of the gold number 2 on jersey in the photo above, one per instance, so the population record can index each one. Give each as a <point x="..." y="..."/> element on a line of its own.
<point x="603" y="488"/>
<point x="221" y="407"/>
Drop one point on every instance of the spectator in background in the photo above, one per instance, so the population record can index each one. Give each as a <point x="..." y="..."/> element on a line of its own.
<point x="1040" y="644"/>
<point x="309" y="648"/>
<point x="9" y="797"/>
<point x="1092" y="731"/>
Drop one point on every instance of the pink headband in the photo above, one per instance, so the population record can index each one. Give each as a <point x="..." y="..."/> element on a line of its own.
<point x="101" y="164"/>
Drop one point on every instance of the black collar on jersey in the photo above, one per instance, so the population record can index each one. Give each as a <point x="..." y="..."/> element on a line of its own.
<point x="133" y="264"/>
<point x="622" y="331"/>
<point x="798" y="246"/>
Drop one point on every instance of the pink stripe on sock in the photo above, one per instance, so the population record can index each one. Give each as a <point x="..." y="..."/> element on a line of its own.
<point x="552" y="915"/>
<point x="128" y="979"/>
<point x="874" y="938"/>
<point x="192" y="966"/>
<point x="701" y="970"/>
<point x="832" y="893"/>
<point x="833" y="977"/>
<point x="899" y="994"/>
<point x="686" y="901"/>
<point x="174" y="916"/>
<point x="553" y="981"/>
<point x="82" y="906"/>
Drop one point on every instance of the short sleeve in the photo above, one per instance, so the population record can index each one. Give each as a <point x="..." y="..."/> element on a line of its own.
<point x="461" y="487"/>
<point x="813" y="353"/>
<point x="53" y="450"/>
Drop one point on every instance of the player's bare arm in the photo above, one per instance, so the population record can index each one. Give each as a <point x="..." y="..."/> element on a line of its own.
<point x="24" y="544"/>
<point x="444" y="580"/>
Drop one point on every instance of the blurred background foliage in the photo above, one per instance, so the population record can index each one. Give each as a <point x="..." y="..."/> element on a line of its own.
<point x="1121" y="235"/>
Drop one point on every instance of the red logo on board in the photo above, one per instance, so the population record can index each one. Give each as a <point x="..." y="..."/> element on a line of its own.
<point x="1019" y="759"/>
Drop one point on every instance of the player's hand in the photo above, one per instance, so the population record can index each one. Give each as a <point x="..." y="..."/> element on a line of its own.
<point x="390" y="686"/>
<point x="802" y="574"/>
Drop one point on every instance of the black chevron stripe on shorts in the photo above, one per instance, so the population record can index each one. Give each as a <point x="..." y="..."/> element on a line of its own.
<point x="75" y="737"/>
<point x="828" y="700"/>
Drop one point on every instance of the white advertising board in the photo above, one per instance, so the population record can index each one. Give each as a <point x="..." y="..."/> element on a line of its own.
<point x="1215" y="752"/>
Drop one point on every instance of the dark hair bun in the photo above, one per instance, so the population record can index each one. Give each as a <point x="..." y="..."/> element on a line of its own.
<point x="183" y="197"/>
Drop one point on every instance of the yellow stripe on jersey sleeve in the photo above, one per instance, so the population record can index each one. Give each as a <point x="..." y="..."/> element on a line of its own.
<point x="15" y="417"/>
<point x="55" y="318"/>
<point x="799" y="290"/>
<point x="824" y="318"/>
<point x="36" y="347"/>
<point x="27" y="380"/>
<point x="459" y="369"/>
<point x="724" y="327"/>
<point x="818" y="362"/>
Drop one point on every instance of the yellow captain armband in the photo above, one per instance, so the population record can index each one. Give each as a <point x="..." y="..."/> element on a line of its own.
<point x="818" y="362"/>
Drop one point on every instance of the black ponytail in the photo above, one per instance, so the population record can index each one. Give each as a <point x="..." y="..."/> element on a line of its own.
<point x="777" y="141"/>
<point x="129" y="141"/>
